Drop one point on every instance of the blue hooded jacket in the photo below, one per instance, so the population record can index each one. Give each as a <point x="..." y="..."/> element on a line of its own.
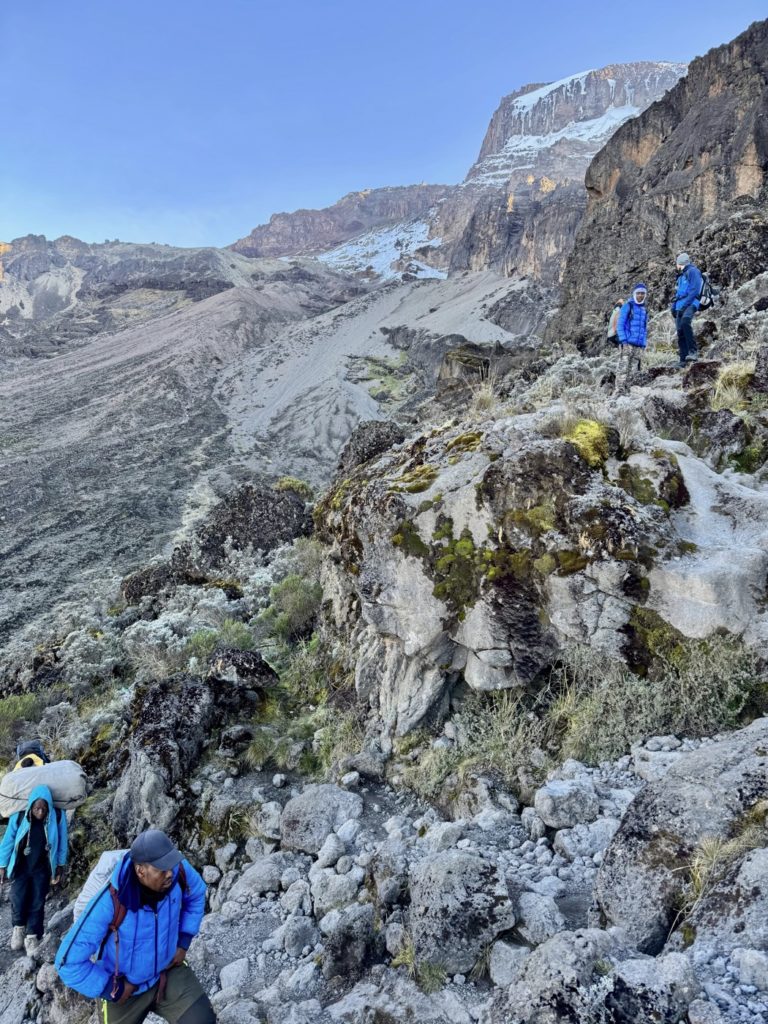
<point x="149" y="937"/>
<point x="12" y="845"/>
<point x="689" y="284"/>
<point x="632" y="324"/>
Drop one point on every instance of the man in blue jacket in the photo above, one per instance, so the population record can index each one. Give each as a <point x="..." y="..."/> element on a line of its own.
<point x="632" y="332"/>
<point x="129" y="944"/>
<point x="689" y="282"/>
<point x="33" y="854"/>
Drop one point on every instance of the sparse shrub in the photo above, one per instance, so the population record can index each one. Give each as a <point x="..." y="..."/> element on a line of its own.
<point x="430" y="977"/>
<point x="714" y="855"/>
<point x="501" y="735"/>
<point x="341" y="736"/>
<point x="406" y="957"/>
<point x="15" y="711"/>
<point x="232" y="633"/>
<point x="300" y="487"/>
<point x="294" y="603"/>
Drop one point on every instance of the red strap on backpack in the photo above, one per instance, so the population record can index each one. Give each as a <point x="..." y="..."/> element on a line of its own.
<point x="119" y="911"/>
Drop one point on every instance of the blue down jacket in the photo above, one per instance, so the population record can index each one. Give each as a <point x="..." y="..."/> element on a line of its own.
<point x="632" y="325"/>
<point x="148" y="938"/>
<point x="12" y="846"/>
<point x="689" y="284"/>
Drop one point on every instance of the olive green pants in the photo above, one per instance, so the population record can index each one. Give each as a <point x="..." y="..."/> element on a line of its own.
<point x="183" y="1002"/>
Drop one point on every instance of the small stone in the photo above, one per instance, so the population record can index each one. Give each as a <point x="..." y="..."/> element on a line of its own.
<point x="459" y="979"/>
<point x="225" y="855"/>
<point x="350" y="780"/>
<point x="235" y="975"/>
<point x="278" y="781"/>
<point x="211" y="874"/>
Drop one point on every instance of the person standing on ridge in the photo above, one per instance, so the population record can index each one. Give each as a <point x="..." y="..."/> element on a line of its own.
<point x="632" y="331"/>
<point x="33" y="854"/>
<point x="689" y="284"/>
<point x="128" y="947"/>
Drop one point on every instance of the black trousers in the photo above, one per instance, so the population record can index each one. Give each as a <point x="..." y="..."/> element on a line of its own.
<point x="28" y="892"/>
<point x="686" y="344"/>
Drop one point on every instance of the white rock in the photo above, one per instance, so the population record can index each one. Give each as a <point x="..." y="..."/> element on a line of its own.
<point x="211" y="874"/>
<point x="565" y="804"/>
<point x="349" y="831"/>
<point x="752" y="965"/>
<point x="330" y="851"/>
<point x="235" y="975"/>
<point x="225" y="855"/>
<point x="540" y="918"/>
<point x="506" y="962"/>
<point x="351" y="780"/>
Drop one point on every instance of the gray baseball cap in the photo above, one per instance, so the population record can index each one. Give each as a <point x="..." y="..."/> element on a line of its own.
<point x="155" y="848"/>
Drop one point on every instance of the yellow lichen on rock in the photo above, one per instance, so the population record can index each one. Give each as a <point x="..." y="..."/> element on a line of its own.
<point x="590" y="438"/>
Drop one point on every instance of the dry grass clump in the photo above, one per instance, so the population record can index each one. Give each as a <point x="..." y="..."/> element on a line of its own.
<point x="485" y="399"/>
<point x="500" y="734"/>
<point x="602" y="708"/>
<point x="731" y="386"/>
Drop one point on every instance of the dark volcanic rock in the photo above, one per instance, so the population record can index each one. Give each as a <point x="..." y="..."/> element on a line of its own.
<point x="250" y="518"/>
<point x="173" y="719"/>
<point x="368" y="440"/>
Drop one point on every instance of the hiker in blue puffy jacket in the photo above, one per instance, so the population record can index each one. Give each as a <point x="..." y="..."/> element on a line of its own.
<point x="686" y="302"/>
<point x="632" y="332"/>
<point x="129" y="944"/>
<point x="33" y="854"/>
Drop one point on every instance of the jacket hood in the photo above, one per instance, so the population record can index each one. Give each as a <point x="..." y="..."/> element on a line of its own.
<point x="40" y="793"/>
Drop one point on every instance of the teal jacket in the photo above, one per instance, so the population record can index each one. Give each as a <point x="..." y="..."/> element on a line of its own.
<point x="12" y="845"/>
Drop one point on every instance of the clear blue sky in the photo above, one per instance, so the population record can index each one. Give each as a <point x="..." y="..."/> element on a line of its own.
<point x="190" y="121"/>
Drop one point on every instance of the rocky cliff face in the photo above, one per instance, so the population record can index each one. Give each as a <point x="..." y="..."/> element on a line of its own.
<point x="690" y="173"/>
<point x="552" y="129"/>
<point x="522" y="201"/>
<point x="310" y="231"/>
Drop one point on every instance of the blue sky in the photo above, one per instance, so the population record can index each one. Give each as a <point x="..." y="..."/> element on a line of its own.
<point x="189" y="122"/>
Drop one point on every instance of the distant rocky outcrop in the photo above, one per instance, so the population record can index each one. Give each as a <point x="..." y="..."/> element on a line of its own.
<point x="690" y="173"/>
<point x="311" y="231"/>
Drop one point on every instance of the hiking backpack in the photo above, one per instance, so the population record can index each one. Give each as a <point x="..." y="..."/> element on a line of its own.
<point x="612" y="331"/>
<point x="708" y="294"/>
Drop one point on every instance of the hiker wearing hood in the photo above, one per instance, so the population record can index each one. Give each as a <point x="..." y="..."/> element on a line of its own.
<point x="631" y="330"/>
<point x="33" y="854"/>
<point x="129" y="945"/>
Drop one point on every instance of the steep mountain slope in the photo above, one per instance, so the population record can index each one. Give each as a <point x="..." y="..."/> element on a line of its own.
<point x="690" y="173"/>
<point x="104" y="446"/>
<point x="57" y="295"/>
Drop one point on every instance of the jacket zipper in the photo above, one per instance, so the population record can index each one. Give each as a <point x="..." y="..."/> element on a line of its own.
<point x="155" y="940"/>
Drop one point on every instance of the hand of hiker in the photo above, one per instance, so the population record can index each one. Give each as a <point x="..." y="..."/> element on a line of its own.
<point x="57" y="877"/>
<point x="128" y="990"/>
<point x="2" y="875"/>
<point x="178" y="958"/>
